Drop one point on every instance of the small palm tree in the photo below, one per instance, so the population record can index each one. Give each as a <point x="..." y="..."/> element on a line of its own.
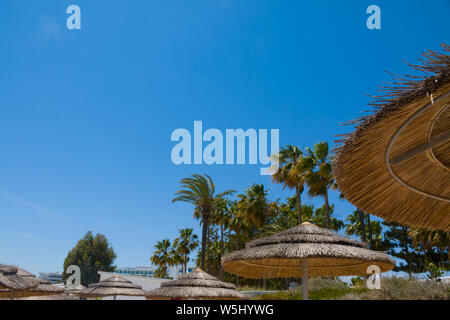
<point x="356" y="225"/>
<point x="200" y="191"/>
<point x="184" y="245"/>
<point x="162" y="257"/>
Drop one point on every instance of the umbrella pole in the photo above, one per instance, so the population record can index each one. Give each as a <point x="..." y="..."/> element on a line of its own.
<point x="305" y="279"/>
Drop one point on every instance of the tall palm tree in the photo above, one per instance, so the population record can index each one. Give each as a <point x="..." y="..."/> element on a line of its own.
<point x="200" y="190"/>
<point x="185" y="244"/>
<point x="292" y="173"/>
<point x="161" y="256"/>
<point x="321" y="178"/>
<point x="221" y="218"/>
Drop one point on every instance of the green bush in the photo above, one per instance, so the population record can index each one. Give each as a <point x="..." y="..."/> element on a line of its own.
<point x="391" y="289"/>
<point x="405" y="289"/>
<point x="319" y="289"/>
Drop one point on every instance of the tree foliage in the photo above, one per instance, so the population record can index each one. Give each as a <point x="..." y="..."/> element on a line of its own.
<point x="91" y="254"/>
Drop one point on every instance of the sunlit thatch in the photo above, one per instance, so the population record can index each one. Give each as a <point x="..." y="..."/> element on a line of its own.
<point x="396" y="163"/>
<point x="196" y="285"/>
<point x="282" y="255"/>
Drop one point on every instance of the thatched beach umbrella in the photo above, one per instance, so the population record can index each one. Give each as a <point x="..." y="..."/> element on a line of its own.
<point x="12" y="284"/>
<point x="196" y="285"/>
<point x="74" y="289"/>
<point x="43" y="288"/>
<point x="396" y="164"/>
<point x="301" y="252"/>
<point x="113" y="286"/>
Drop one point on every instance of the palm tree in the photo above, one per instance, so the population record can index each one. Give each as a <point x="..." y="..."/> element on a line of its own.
<point x="360" y="224"/>
<point x="199" y="190"/>
<point x="161" y="256"/>
<point x="175" y="256"/>
<point x="221" y="218"/>
<point x="292" y="173"/>
<point x="253" y="206"/>
<point x="186" y="242"/>
<point x="320" y="218"/>
<point x="356" y="225"/>
<point x="321" y="178"/>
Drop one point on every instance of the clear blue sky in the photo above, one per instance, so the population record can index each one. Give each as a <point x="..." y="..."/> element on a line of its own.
<point x="86" y="115"/>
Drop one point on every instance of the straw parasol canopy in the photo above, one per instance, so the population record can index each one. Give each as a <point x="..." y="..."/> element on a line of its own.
<point x="51" y="297"/>
<point x="196" y="285"/>
<point x="396" y="163"/>
<point x="74" y="290"/>
<point x="113" y="286"/>
<point x="12" y="284"/>
<point x="43" y="288"/>
<point x="303" y="251"/>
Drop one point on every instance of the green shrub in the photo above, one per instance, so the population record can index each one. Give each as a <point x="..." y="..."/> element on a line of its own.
<point x="391" y="289"/>
<point x="409" y="289"/>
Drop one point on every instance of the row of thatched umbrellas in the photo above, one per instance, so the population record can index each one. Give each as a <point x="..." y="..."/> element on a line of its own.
<point x="17" y="283"/>
<point x="300" y="252"/>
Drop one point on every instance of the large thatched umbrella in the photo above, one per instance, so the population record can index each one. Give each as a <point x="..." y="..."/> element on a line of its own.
<point x="396" y="164"/>
<point x="44" y="288"/>
<point x="196" y="285"/>
<point x="12" y="284"/>
<point x="301" y="252"/>
<point x="113" y="286"/>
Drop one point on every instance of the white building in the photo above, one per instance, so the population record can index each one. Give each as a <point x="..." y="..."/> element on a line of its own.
<point x="53" y="277"/>
<point x="149" y="271"/>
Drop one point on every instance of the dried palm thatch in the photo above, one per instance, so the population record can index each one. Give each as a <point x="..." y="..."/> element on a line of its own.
<point x="74" y="290"/>
<point x="196" y="285"/>
<point x="51" y="297"/>
<point x="303" y="251"/>
<point x="43" y="288"/>
<point x="113" y="286"/>
<point x="282" y="255"/>
<point x="12" y="284"/>
<point x="396" y="163"/>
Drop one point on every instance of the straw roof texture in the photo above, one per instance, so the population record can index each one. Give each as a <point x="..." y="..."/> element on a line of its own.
<point x="196" y="285"/>
<point x="281" y="255"/>
<point x="43" y="287"/>
<point x="74" y="290"/>
<point x="51" y="297"/>
<point x="396" y="163"/>
<point x="10" y="280"/>
<point x="113" y="286"/>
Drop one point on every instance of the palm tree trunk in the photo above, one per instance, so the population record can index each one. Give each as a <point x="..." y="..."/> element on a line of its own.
<point x="299" y="205"/>
<point x="361" y="225"/>
<point x="207" y="246"/>
<point x="237" y="248"/>
<point x="221" y="250"/>
<point x="327" y="209"/>
<point x="369" y="227"/>
<point x="204" y="231"/>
